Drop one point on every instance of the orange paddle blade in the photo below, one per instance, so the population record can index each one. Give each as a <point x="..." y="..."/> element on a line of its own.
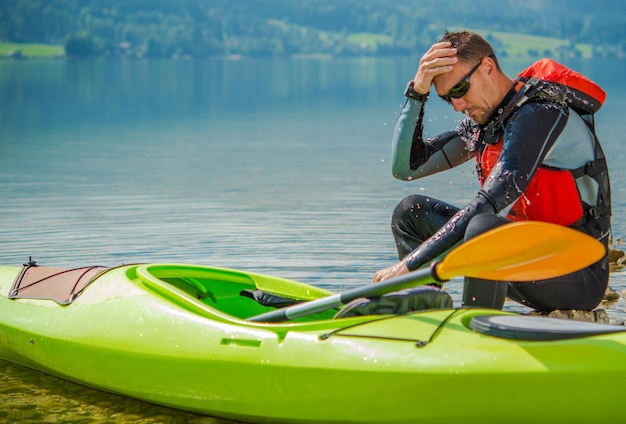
<point x="522" y="251"/>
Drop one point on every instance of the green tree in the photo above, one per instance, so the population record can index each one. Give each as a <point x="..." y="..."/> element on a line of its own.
<point x="80" y="45"/>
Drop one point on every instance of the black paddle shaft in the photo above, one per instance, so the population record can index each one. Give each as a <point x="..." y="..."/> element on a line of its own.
<point x="416" y="278"/>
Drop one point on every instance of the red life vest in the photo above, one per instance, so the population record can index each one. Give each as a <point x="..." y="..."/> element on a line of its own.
<point x="552" y="194"/>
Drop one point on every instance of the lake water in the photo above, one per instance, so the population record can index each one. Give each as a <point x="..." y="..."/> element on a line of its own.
<point x="277" y="166"/>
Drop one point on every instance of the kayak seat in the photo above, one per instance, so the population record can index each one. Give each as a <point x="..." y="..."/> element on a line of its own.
<point x="526" y="327"/>
<point x="268" y="299"/>
<point x="398" y="303"/>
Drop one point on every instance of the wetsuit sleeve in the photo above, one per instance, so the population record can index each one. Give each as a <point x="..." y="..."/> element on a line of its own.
<point x="413" y="157"/>
<point x="528" y="136"/>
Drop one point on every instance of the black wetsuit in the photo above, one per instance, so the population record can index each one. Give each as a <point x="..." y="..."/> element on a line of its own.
<point x="537" y="134"/>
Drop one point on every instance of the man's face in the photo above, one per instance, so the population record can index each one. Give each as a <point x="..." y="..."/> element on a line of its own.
<point x="469" y="81"/>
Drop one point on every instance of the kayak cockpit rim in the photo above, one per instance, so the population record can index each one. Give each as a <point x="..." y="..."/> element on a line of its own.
<point x="220" y="293"/>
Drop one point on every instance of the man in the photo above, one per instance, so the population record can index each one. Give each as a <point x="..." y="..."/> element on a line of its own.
<point x="537" y="159"/>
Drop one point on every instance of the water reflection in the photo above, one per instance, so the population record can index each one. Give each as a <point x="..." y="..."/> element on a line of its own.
<point x="29" y="396"/>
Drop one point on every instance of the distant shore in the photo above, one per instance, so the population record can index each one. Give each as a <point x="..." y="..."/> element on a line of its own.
<point x="27" y="51"/>
<point x="511" y="45"/>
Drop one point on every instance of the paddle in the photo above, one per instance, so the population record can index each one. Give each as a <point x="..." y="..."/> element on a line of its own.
<point x="520" y="251"/>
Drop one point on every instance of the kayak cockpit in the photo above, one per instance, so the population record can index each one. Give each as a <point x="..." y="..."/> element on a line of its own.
<point x="224" y="293"/>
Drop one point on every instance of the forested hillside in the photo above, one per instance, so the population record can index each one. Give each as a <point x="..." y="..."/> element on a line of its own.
<point x="196" y="28"/>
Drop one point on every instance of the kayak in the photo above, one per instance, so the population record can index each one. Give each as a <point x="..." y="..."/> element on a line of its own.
<point x="180" y="335"/>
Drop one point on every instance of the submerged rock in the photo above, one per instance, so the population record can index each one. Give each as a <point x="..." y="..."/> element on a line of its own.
<point x="615" y="254"/>
<point x="617" y="259"/>
<point x="610" y="295"/>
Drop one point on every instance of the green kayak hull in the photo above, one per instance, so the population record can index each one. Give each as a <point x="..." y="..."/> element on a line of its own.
<point x="177" y="335"/>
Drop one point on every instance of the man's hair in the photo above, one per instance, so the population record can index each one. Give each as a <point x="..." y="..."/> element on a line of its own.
<point x="471" y="47"/>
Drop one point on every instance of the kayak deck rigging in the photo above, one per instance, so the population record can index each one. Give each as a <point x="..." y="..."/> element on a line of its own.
<point x="59" y="284"/>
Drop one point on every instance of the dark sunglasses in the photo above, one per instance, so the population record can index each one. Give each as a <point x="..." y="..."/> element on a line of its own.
<point x="462" y="87"/>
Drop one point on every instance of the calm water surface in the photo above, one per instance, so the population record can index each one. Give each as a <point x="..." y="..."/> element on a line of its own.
<point x="272" y="166"/>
